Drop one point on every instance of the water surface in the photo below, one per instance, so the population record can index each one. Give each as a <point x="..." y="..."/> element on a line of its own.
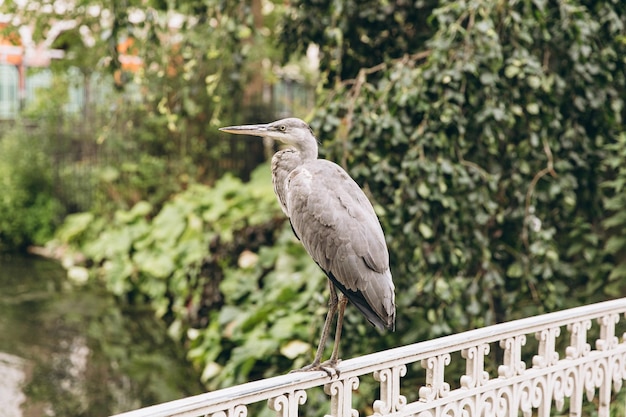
<point x="68" y="351"/>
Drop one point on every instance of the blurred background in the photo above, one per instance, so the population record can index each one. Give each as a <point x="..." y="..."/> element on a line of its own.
<point x="144" y="257"/>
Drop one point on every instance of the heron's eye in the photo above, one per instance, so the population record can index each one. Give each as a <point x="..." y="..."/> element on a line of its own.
<point x="282" y="128"/>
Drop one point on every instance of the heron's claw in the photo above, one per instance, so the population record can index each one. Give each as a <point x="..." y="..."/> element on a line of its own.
<point x="330" y="367"/>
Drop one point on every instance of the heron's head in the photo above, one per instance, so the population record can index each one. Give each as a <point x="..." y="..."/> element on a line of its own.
<point x="290" y="131"/>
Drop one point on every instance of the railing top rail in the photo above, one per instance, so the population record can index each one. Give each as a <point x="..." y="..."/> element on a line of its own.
<point x="272" y="387"/>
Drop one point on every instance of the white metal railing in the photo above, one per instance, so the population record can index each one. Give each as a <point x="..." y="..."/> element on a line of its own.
<point x="548" y="382"/>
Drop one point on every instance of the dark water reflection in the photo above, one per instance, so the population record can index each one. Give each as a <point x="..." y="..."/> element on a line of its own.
<point x="67" y="351"/>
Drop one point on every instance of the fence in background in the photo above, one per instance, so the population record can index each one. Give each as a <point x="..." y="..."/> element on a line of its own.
<point x="584" y="371"/>
<point x="82" y="164"/>
<point x="79" y="154"/>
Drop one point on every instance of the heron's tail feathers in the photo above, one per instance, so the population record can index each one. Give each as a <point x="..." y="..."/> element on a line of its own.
<point x="376" y="303"/>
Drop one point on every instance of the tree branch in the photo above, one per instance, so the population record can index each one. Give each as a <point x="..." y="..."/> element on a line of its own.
<point x="549" y="169"/>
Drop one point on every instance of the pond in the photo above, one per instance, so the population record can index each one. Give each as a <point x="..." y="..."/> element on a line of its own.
<point x="68" y="351"/>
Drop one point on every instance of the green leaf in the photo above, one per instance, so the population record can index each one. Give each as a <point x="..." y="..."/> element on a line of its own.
<point x="615" y="244"/>
<point x="74" y="225"/>
<point x="616" y="220"/>
<point x="155" y="264"/>
<point x="423" y="190"/>
<point x="425" y="230"/>
<point x="515" y="270"/>
<point x="295" y="348"/>
<point x="618" y="273"/>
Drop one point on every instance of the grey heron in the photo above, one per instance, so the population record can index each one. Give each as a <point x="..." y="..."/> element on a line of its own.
<point x="336" y="223"/>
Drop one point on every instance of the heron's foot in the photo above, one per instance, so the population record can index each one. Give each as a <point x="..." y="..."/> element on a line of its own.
<point x="329" y="366"/>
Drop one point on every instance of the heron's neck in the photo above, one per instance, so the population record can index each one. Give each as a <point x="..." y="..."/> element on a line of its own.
<point x="307" y="149"/>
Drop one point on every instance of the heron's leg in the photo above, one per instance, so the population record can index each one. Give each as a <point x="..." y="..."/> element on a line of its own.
<point x="332" y="309"/>
<point x="343" y="301"/>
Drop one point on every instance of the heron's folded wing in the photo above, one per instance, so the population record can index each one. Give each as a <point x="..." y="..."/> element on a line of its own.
<point x="338" y="227"/>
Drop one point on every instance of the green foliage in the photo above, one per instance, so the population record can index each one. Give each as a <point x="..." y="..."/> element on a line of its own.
<point x="354" y="34"/>
<point x="615" y="223"/>
<point x="48" y="103"/>
<point x="146" y="129"/>
<point x="221" y="266"/>
<point x="270" y="318"/>
<point x="483" y="153"/>
<point x="30" y="212"/>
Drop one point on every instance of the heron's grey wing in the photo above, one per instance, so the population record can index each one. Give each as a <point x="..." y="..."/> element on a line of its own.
<point x="339" y="229"/>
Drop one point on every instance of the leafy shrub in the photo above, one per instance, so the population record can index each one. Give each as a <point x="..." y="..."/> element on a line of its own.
<point x="614" y="223"/>
<point x="484" y="154"/>
<point x="221" y="266"/>
<point x="29" y="212"/>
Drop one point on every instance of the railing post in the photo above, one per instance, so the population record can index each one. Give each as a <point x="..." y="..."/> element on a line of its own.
<point x="340" y="392"/>
<point x="577" y="348"/>
<point x="475" y="374"/>
<point x="390" y="398"/>
<point x="435" y="387"/>
<point x="286" y="405"/>
<point x="513" y="364"/>
<point x="607" y="341"/>
<point x="547" y="355"/>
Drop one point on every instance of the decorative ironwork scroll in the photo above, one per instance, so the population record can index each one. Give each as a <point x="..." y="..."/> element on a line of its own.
<point x="513" y="364"/>
<point x="547" y="347"/>
<point x="475" y="375"/>
<point x="340" y="392"/>
<point x="286" y="405"/>
<point x="391" y="400"/>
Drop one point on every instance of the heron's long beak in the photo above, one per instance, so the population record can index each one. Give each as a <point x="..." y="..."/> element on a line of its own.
<point x="254" y="130"/>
